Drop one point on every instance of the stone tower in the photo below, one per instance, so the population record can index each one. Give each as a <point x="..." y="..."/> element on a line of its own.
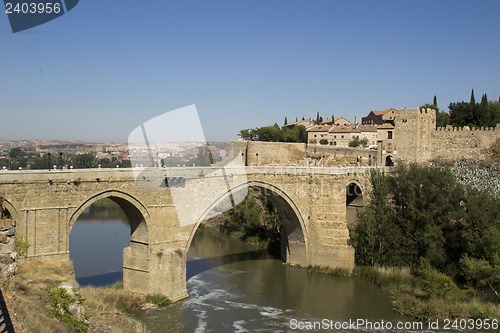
<point x="412" y="134"/>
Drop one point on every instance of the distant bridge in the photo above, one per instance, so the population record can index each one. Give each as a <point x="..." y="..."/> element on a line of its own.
<point x="166" y="206"/>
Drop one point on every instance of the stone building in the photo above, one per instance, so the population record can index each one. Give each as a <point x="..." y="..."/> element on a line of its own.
<point x="379" y="117"/>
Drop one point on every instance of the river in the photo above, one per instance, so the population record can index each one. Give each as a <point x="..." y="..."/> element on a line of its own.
<point x="235" y="287"/>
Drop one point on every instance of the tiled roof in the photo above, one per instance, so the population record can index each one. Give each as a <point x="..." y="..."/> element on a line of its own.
<point x="386" y="126"/>
<point x="320" y="128"/>
<point x="367" y="128"/>
<point x="343" y="129"/>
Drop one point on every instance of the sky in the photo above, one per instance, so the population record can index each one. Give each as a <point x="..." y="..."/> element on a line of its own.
<point x="108" y="66"/>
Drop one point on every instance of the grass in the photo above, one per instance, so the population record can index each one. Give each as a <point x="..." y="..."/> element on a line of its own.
<point x="428" y="297"/>
<point x="32" y="307"/>
<point x="105" y="308"/>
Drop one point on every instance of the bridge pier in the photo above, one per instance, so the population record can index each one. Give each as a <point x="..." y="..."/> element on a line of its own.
<point x="168" y="274"/>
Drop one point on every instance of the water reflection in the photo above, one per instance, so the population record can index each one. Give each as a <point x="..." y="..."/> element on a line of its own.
<point x="236" y="287"/>
<point x="96" y="244"/>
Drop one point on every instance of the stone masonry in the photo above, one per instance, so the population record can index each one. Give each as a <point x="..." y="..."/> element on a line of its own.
<point x="311" y="201"/>
<point x="416" y="138"/>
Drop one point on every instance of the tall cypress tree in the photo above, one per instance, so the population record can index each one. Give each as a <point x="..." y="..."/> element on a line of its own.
<point x="286" y="122"/>
<point x="317" y="118"/>
<point x="435" y="101"/>
<point x="472" y="98"/>
<point x="485" y="115"/>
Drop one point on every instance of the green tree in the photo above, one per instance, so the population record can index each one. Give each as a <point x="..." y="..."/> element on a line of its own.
<point x="318" y="118"/>
<point x="472" y="98"/>
<point x="461" y="114"/>
<point x="302" y="133"/>
<point x="87" y="160"/>
<point x="323" y="142"/>
<point x="442" y="119"/>
<point x="371" y="237"/>
<point x="354" y="142"/>
<point x="246" y="134"/>
<point x="16" y="152"/>
<point x="434" y="102"/>
<point x="285" y="122"/>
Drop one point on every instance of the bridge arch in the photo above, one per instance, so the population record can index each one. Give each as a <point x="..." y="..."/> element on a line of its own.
<point x="127" y="202"/>
<point x="354" y="202"/>
<point x="294" y="242"/>
<point x="11" y="208"/>
<point x="136" y="256"/>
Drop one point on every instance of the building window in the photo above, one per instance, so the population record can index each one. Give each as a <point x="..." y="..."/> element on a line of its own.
<point x="341" y="136"/>
<point x="389" y="135"/>
<point x="314" y="135"/>
<point x="334" y="143"/>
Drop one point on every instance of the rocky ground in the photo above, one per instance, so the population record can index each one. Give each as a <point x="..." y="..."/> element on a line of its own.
<point x="42" y="295"/>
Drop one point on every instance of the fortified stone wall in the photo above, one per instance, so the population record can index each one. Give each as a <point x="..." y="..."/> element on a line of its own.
<point x="258" y="153"/>
<point x="270" y="153"/>
<point x="417" y="140"/>
<point x="330" y="156"/>
<point x="452" y="143"/>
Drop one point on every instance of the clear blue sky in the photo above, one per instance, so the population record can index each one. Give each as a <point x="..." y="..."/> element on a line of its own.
<point x="107" y="66"/>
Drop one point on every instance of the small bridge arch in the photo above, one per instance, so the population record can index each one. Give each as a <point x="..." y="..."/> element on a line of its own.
<point x="11" y="208"/>
<point x="354" y="202"/>
<point x="136" y="255"/>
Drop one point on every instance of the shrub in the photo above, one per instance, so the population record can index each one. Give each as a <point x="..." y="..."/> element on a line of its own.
<point x="66" y="307"/>
<point x="22" y="246"/>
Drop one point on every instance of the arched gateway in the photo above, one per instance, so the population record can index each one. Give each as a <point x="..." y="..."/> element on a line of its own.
<point x="311" y="201"/>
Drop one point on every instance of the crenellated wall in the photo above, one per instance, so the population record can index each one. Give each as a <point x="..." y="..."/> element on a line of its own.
<point x="417" y="140"/>
<point x="451" y="143"/>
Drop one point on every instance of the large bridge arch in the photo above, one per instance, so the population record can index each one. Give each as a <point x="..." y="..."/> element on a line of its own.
<point x="136" y="256"/>
<point x="126" y="201"/>
<point x="294" y="242"/>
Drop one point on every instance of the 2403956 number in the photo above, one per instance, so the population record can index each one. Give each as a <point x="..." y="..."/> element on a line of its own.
<point x="472" y="324"/>
<point x="32" y="8"/>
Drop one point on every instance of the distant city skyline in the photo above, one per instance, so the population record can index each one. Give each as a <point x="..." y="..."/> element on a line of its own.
<point x="106" y="67"/>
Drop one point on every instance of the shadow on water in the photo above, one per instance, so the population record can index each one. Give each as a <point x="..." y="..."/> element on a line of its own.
<point x="100" y="280"/>
<point x="197" y="266"/>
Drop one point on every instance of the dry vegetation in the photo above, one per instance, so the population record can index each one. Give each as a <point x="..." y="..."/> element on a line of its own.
<point x="415" y="297"/>
<point x="104" y="307"/>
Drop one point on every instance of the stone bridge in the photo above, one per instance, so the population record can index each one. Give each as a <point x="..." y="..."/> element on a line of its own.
<point x="165" y="206"/>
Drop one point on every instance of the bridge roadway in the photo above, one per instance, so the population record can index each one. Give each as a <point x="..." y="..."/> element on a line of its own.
<point x="166" y="205"/>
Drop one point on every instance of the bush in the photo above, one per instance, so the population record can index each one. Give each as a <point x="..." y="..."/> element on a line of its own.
<point x="482" y="275"/>
<point x="66" y="307"/>
<point x="22" y="246"/>
<point x="437" y="284"/>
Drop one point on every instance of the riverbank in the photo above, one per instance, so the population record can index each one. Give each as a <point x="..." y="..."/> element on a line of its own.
<point x="45" y="298"/>
<point x="429" y="296"/>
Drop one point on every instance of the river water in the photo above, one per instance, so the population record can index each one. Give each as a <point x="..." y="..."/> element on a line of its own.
<point x="236" y="287"/>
